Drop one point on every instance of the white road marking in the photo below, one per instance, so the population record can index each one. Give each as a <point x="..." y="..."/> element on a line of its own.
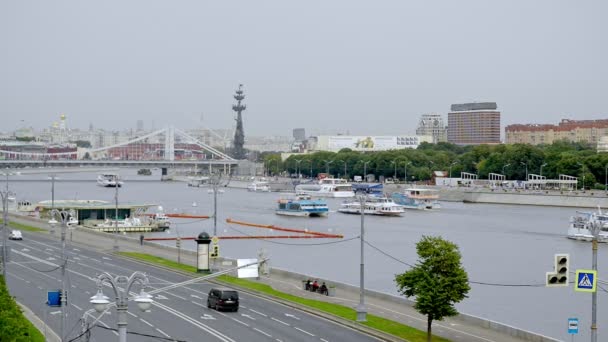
<point x="243" y="323"/>
<point x="262" y="332"/>
<point x="199" y="304"/>
<point x="87" y="292"/>
<point x="41" y="288"/>
<point x="50" y="258"/>
<point x="25" y="249"/>
<point x="162" y="332"/>
<point x="77" y="307"/>
<point x="55" y="312"/>
<point x="106" y="258"/>
<point x="76" y="249"/>
<point x="206" y="316"/>
<point x="148" y="323"/>
<point x="134" y="315"/>
<point x="278" y="320"/>
<point x="304" y="331"/>
<point x="76" y="258"/>
<point x="107" y="326"/>
<point x="245" y="315"/>
<point x="292" y="316"/>
<point x="278" y="340"/>
<point x="195" y="296"/>
<point x="322" y="339"/>
<point x="176" y="296"/>
<point x="161" y="297"/>
<point x="259" y="313"/>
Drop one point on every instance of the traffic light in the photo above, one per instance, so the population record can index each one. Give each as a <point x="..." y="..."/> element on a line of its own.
<point x="561" y="270"/>
<point x="215" y="251"/>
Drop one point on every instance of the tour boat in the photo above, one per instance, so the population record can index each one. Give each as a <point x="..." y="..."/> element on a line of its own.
<point x="417" y="198"/>
<point x="302" y="205"/>
<point x="327" y="187"/>
<point x="109" y="180"/>
<point x="580" y="226"/>
<point x="258" y="186"/>
<point x="373" y="205"/>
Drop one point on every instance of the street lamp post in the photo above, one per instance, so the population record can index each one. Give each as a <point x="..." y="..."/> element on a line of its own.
<point x="122" y="287"/>
<point x="452" y="164"/>
<point x="116" y="218"/>
<point x="365" y="170"/>
<point x="526" y="180"/>
<point x="405" y="164"/>
<point x="541" y="169"/>
<point x="583" y="167"/>
<point x="298" y="161"/>
<point x="361" y="311"/>
<point x="64" y="216"/>
<point x="504" y="167"/>
<point x="5" y="194"/>
<point x="327" y="162"/>
<point x="344" y="161"/>
<point x="606" y="179"/>
<point x="395" y="173"/>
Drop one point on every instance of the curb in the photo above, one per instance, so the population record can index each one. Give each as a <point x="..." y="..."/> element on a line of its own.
<point x="45" y="330"/>
<point x="338" y="320"/>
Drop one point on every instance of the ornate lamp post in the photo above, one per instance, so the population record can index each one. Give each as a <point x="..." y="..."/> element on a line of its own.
<point x="452" y="164"/>
<point x="122" y="287"/>
<point x="405" y="164"/>
<point x="361" y="310"/>
<point x="298" y="161"/>
<point x="64" y="217"/>
<point x="504" y="167"/>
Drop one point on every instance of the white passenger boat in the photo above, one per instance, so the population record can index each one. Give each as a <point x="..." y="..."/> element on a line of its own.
<point x="373" y="205"/>
<point x="110" y="180"/>
<point x="580" y="226"/>
<point x="417" y="198"/>
<point x="327" y="187"/>
<point x="302" y="205"/>
<point x="259" y="186"/>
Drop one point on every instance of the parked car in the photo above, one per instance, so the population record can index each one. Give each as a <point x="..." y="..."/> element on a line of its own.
<point x="15" y="235"/>
<point x="223" y="299"/>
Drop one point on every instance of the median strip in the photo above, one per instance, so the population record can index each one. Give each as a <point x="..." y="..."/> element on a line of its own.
<point x="375" y="322"/>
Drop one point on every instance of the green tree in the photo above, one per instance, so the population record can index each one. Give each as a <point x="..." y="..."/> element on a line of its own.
<point x="438" y="280"/>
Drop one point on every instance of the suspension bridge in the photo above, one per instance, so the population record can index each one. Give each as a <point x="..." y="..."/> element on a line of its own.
<point x="165" y="148"/>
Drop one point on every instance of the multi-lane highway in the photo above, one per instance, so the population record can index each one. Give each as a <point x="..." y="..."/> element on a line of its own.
<point x="178" y="314"/>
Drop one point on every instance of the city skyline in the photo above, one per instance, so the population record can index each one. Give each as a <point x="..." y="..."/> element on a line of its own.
<point x="540" y="62"/>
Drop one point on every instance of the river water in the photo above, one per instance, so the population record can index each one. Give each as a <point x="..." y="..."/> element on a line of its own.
<point x="500" y="244"/>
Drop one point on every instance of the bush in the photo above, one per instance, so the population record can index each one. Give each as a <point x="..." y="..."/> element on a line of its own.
<point x="13" y="326"/>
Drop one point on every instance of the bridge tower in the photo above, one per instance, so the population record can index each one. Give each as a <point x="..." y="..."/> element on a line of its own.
<point x="239" y="134"/>
<point x="170" y="143"/>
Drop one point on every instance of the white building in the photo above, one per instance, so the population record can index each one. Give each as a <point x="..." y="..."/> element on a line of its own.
<point x="433" y="125"/>
<point x="366" y="143"/>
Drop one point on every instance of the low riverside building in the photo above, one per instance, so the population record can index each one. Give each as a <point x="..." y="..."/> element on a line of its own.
<point x="590" y="131"/>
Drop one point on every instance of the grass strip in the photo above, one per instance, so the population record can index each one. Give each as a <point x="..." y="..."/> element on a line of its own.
<point x="379" y="323"/>
<point x="22" y="226"/>
<point x="13" y="325"/>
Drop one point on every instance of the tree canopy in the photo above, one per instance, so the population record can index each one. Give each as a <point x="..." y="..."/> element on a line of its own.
<point x="438" y="280"/>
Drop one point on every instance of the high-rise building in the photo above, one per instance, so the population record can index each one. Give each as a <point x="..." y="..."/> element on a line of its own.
<point x="570" y="130"/>
<point x="140" y="126"/>
<point x="474" y="124"/>
<point x="299" y="134"/>
<point x="432" y="125"/>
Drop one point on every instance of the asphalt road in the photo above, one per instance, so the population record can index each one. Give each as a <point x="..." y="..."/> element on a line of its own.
<point x="178" y="314"/>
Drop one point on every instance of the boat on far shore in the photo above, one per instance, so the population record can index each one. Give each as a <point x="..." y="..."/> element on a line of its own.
<point x="417" y="198"/>
<point x="109" y="180"/>
<point x="580" y="226"/>
<point x="373" y="205"/>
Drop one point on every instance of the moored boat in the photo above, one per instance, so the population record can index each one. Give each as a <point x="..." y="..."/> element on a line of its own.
<point x="259" y="186"/>
<point x="373" y="205"/>
<point x="580" y="226"/>
<point x="302" y="205"/>
<point x="417" y="198"/>
<point x="327" y="187"/>
<point x="109" y="180"/>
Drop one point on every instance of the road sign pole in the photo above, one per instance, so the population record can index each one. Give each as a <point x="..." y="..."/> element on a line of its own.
<point x="594" y="294"/>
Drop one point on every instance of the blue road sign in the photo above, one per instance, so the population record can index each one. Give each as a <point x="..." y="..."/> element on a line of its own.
<point x="572" y="325"/>
<point x="53" y="298"/>
<point x="586" y="281"/>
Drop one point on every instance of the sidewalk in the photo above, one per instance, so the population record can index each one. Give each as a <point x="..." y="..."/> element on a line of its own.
<point x="458" y="329"/>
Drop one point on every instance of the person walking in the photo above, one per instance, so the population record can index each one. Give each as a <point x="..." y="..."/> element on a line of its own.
<point x="141" y="239"/>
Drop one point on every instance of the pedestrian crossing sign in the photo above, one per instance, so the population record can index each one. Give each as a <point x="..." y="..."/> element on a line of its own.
<point x="586" y="281"/>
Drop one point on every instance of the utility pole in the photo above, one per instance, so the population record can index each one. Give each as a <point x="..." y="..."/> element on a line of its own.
<point x="361" y="311"/>
<point x="64" y="216"/>
<point x="596" y="230"/>
<point x="116" y="218"/>
<point x="5" y="195"/>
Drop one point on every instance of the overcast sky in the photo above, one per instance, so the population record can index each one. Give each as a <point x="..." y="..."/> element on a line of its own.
<point x="366" y="67"/>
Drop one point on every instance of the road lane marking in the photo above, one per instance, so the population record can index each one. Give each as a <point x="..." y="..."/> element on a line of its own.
<point x="207" y="316"/>
<point x="243" y="323"/>
<point x="322" y="339"/>
<point x="199" y="304"/>
<point x="292" y="316"/>
<point x="76" y="306"/>
<point x="161" y="297"/>
<point x="259" y="313"/>
<point x="106" y="258"/>
<point x="246" y="315"/>
<point x="262" y="332"/>
<point x="180" y="297"/>
<point x="76" y="250"/>
<point x="134" y="315"/>
<point x="148" y="323"/>
<point x="107" y="326"/>
<point x="278" y="320"/>
<point x="304" y="331"/>
<point x="55" y="312"/>
<point x="162" y="332"/>
<point x="195" y="296"/>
